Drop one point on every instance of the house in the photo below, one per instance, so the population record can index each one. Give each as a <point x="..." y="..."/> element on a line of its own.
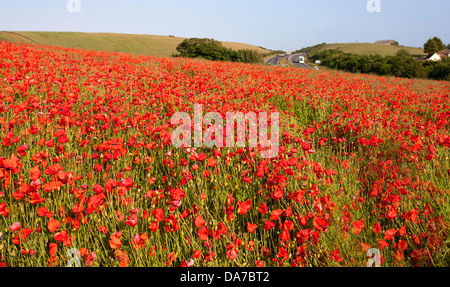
<point x="438" y="56"/>
<point x="433" y="57"/>
<point x="443" y="54"/>
<point x="385" y="42"/>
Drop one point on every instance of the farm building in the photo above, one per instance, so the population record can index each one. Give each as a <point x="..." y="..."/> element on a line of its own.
<point x="433" y="57"/>
<point x="443" y="54"/>
<point x="438" y="56"/>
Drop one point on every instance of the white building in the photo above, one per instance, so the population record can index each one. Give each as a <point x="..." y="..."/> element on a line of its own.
<point x="433" y="57"/>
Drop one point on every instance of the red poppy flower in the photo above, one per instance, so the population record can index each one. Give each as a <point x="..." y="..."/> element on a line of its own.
<point x="16" y="240"/>
<point x="211" y="162"/>
<point x="15" y="226"/>
<point x="158" y="214"/>
<point x="303" y="220"/>
<point x="53" y="185"/>
<point x="153" y="226"/>
<point x="98" y="167"/>
<point x="115" y="241"/>
<point x="199" y="221"/>
<point x="358" y="226"/>
<point x="197" y="254"/>
<point x="365" y="246"/>
<point x="53" y="248"/>
<point x="51" y="170"/>
<point x="259" y="263"/>
<point x="128" y="182"/>
<point x="402" y="244"/>
<point x="244" y="207"/>
<point x="401" y="231"/>
<point x="35" y="173"/>
<point x="4" y="210"/>
<point x="285" y="235"/>
<point x="61" y="236"/>
<point x="263" y="208"/>
<point x="24" y="233"/>
<point x="389" y="234"/>
<point x="53" y="224"/>
<point x="36" y="198"/>
<point x="251" y="227"/>
<point x="12" y="163"/>
<point x="201" y="157"/>
<point x="376" y="228"/>
<point x="320" y="223"/>
<point x="382" y="244"/>
<point x="170" y="258"/>
<point x="139" y="241"/>
<point x="335" y="255"/>
<point x="123" y="257"/>
<point x="177" y="194"/>
<point x="398" y="255"/>
<point x="119" y="215"/>
<point x="42" y="211"/>
<point x="203" y="233"/>
<point x="275" y="215"/>
<point x="231" y="254"/>
<point x="392" y="213"/>
<point x="132" y="220"/>
<point x="268" y="225"/>
<point x="103" y="229"/>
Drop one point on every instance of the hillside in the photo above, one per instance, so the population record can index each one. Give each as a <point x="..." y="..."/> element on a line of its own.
<point x="163" y="46"/>
<point x="381" y="60"/>
<point x="372" y="49"/>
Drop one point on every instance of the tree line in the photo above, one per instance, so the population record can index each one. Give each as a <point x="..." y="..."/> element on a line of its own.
<point x="211" y="49"/>
<point x="401" y="65"/>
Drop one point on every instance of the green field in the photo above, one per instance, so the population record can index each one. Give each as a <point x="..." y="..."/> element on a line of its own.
<point x="163" y="46"/>
<point x="373" y="49"/>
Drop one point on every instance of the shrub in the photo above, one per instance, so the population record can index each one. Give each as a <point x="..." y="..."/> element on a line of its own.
<point x="211" y="49"/>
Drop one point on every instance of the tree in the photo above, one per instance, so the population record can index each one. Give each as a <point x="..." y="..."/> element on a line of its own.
<point x="420" y="70"/>
<point x="202" y="48"/>
<point x="439" y="43"/>
<point x="440" y="70"/>
<point x="448" y="46"/>
<point x="211" y="49"/>
<point x="433" y="45"/>
<point x="394" y="43"/>
<point x="403" y="66"/>
<point x="430" y="47"/>
<point x="403" y="53"/>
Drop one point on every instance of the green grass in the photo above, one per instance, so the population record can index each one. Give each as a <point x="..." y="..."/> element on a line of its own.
<point x="373" y="49"/>
<point x="313" y="64"/>
<point x="163" y="46"/>
<point x="285" y="62"/>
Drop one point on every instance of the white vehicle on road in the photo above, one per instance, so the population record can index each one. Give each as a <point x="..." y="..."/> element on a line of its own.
<point x="301" y="60"/>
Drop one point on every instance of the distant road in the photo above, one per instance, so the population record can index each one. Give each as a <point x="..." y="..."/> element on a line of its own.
<point x="291" y="58"/>
<point x="275" y="61"/>
<point x="294" y="59"/>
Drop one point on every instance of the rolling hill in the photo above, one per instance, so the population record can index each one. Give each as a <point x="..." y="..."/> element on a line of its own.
<point x="372" y="49"/>
<point x="163" y="46"/>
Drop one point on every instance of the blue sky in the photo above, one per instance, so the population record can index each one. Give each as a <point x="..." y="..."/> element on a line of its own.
<point x="284" y="24"/>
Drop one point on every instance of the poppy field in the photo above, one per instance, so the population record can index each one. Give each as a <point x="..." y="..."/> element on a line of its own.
<point x="87" y="164"/>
